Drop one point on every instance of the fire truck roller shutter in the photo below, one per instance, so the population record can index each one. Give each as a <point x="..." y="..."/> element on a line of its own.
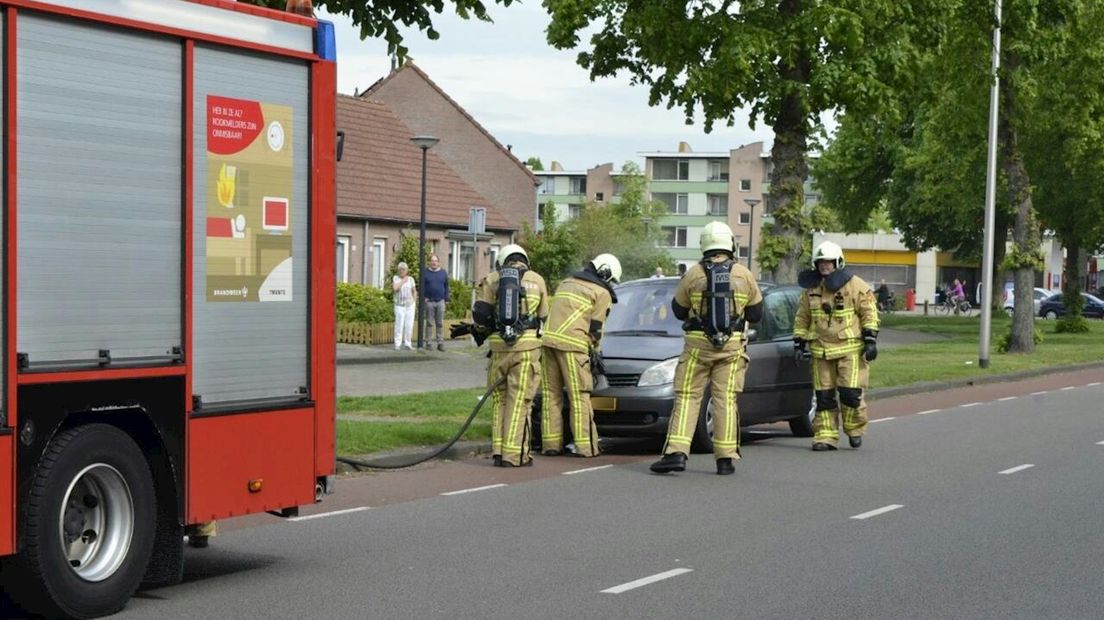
<point x="99" y="130"/>
<point x="254" y="347"/>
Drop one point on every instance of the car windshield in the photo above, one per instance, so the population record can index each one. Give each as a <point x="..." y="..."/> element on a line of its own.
<point x="644" y="309"/>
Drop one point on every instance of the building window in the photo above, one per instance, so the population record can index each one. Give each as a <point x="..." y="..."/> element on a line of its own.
<point x="493" y="253"/>
<point x="343" y="244"/>
<point x="574" y="212"/>
<point x="548" y="185"/>
<point x="676" y="203"/>
<point x="717" y="204"/>
<point x="378" y="268"/>
<point x="812" y="199"/>
<point x="599" y="196"/>
<point x="618" y="188"/>
<point x="745" y="218"/>
<point x="578" y="186"/>
<point x="671" y="169"/>
<point x="745" y="185"/>
<point x="676" y="237"/>
<point x="742" y="251"/>
<point x="718" y="170"/>
<point x="463" y="261"/>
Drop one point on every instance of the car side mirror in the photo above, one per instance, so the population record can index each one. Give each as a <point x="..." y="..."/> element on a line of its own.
<point x="752" y="334"/>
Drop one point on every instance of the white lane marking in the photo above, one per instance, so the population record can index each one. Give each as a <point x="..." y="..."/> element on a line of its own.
<point x="1012" y="470"/>
<point x="329" y="514"/>
<point x="878" y="511"/>
<point x="928" y="411"/>
<point x="1039" y="393"/>
<point x="1068" y="388"/>
<point x="625" y="587"/>
<point x="1093" y="384"/>
<point x="1100" y="443"/>
<point x="1006" y="399"/>
<point x="969" y="405"/>
<point x="579" y="471"/>
<point x="885" y="419"/>
<point x="474" y="489"/>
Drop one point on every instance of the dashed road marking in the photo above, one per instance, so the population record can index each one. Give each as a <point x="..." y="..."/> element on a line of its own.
<point x="625" y="587"/>
<point x="1012" y="470"/>
<point x="334" y="513"/>
<point x="877" y="511"/>
<point x="1093" y="384"/>
<point x="1006" y="399"/>
<point x="1039" y="393"/>
<point x="928" y="411"/>
<point x="579" y="471"/>
<point x="969" y="405"/>
<point x="474" y="489"/>
<point x="1100" y="443"/>
<point x="1068" y="388"/>
<point x="885" y="419"/>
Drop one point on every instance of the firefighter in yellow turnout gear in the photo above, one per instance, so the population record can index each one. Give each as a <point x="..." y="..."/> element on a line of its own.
<point x="571" y="337"/>
<point x="837" y="327"/>
<point x="715" y="298"/>
<point x="515" y="345"/>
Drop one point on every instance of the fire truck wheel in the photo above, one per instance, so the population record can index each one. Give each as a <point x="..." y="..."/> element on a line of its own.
<point x="89" y="523"/>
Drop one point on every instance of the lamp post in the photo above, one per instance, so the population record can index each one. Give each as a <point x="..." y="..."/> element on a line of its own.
<point x="425" y="143"/>
<point x="751" y="202"/>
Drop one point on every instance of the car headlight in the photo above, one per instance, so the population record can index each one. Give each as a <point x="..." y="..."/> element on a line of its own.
<point x="660" y="374"/>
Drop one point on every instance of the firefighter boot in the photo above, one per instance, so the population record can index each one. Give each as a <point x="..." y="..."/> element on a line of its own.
<point x="725" y="467"/>
<point x="820" y="446"/>
<point x="855" y="441"/>
<point x="676" y="461"/>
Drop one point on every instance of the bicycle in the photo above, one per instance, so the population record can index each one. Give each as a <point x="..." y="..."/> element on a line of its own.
<point x="888" y="305"/>
<point x="957" y="306"/>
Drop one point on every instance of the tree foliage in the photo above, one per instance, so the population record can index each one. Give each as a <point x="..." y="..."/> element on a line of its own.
<point x="534" y="163"/>
<point x="382" y="18"/>
<point x="786" y="61"/>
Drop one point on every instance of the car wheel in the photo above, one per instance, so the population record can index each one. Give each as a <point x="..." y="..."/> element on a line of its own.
<point x="802" y="425"/>
<point x="1051" y="315"/>
<point x="703" y="431"/>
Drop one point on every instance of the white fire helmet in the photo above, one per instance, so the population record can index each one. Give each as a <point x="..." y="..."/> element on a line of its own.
<point x="510" y="250"/>
<point x="608" y="267"/>
<point x="717" y="236"/>
<point x="828" y="250"/>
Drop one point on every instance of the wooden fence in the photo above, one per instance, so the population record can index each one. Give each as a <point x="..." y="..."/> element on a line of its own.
<point x="378" y="333"/>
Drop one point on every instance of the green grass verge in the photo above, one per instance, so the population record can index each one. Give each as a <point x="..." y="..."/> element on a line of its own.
<point x="378" y="423"/>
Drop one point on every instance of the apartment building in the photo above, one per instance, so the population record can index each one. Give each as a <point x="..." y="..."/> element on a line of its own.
<point x="570" y="190"/>
<point x="699" y="188"/>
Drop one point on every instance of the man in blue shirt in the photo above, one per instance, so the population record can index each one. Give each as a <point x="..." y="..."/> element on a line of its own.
<point x="435" y="291"/>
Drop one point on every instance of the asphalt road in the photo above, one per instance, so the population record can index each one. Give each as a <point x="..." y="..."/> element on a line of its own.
<point x="969" y="503"/>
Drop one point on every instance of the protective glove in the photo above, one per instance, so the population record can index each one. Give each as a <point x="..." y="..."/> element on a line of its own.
<point x="597" y="364"/>
<point x="460" y="329"/>
<point x="801" y="350"/>
<point x="870" y="345"/>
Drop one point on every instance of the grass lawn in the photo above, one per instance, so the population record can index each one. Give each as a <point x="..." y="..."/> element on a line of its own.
<point x="377" y="423"/>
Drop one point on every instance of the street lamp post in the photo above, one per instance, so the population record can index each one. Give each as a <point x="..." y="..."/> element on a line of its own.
<point x="751" y="202"/>
<point x="425" y="143"/>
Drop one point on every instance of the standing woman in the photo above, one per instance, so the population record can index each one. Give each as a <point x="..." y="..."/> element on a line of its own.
<point x="406" y="297"/>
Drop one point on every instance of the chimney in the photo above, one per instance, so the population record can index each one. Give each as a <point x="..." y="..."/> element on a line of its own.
<point x="300" y="7"/>
<point x="556" y="167"/>
<point x="684" y="147"/>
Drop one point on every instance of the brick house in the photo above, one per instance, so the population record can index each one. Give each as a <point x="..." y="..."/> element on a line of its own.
<point x="469" y="149"/>
<point x="379" y="200"/>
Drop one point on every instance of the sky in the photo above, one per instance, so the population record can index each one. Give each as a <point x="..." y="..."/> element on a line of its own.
<point x="532" y="96"/>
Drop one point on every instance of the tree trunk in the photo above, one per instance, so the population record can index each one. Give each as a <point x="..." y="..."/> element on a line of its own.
<point x="1025" y="228"/>
<point x="1076" y="257"/>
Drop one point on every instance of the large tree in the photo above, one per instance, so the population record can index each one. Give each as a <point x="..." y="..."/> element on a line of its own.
<point x="787" y="61"/>
<point x="382" y="18"/>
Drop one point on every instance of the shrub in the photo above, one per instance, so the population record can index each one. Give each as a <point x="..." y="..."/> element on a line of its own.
<point x="459" y="299"/>
<point x="1071" y="324"/>
<point x="1006" y="339"/>
<point x="361" y="303"/>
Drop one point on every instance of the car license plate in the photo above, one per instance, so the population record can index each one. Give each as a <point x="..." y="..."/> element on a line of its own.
<point x="603" y="403"/>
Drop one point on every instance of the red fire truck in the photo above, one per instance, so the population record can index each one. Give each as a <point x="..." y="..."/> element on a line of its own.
<point x="167" y="317"/>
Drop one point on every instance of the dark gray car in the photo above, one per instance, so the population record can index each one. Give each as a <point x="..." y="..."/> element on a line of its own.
<point x="641" y="346"/>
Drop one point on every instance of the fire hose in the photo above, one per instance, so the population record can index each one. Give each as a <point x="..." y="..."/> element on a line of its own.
<point x="359" y="464"/>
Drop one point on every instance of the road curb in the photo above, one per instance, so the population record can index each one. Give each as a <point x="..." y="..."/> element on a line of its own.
<point x="932" y="386"/>
<point x="460" y="450"/>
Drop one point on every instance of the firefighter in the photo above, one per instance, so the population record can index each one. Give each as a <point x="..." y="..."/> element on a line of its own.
<point x="570" y="358"/>
<point x="200" y="534"/>
<point x="715" y="299"/>
<point x="510" y="306"/>
<point x="836" y="327"/>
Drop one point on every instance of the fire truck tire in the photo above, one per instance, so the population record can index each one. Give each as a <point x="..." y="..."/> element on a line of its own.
<point x="89" y="523"/>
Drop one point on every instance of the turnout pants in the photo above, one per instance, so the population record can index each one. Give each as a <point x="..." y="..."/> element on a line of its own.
<point x="839" y="385"/>
<point x="511" y="428"/>
<point x="723" y="373"/>
<point x="570" y="370"/>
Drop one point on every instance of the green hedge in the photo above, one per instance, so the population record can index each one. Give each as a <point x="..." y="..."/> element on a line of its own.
<point x="357" y="303"/>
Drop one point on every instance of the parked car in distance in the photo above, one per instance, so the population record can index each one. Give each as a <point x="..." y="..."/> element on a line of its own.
<point x="1038" y="295"/>
<point x="1054" y="307"/>
<point x="641" y="346"/>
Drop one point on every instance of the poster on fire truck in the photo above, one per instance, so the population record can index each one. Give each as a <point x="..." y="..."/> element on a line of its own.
<point x="249" y="206"/>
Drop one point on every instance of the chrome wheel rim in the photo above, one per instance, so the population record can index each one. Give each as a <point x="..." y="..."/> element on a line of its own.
<point x="96" y="522"/>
